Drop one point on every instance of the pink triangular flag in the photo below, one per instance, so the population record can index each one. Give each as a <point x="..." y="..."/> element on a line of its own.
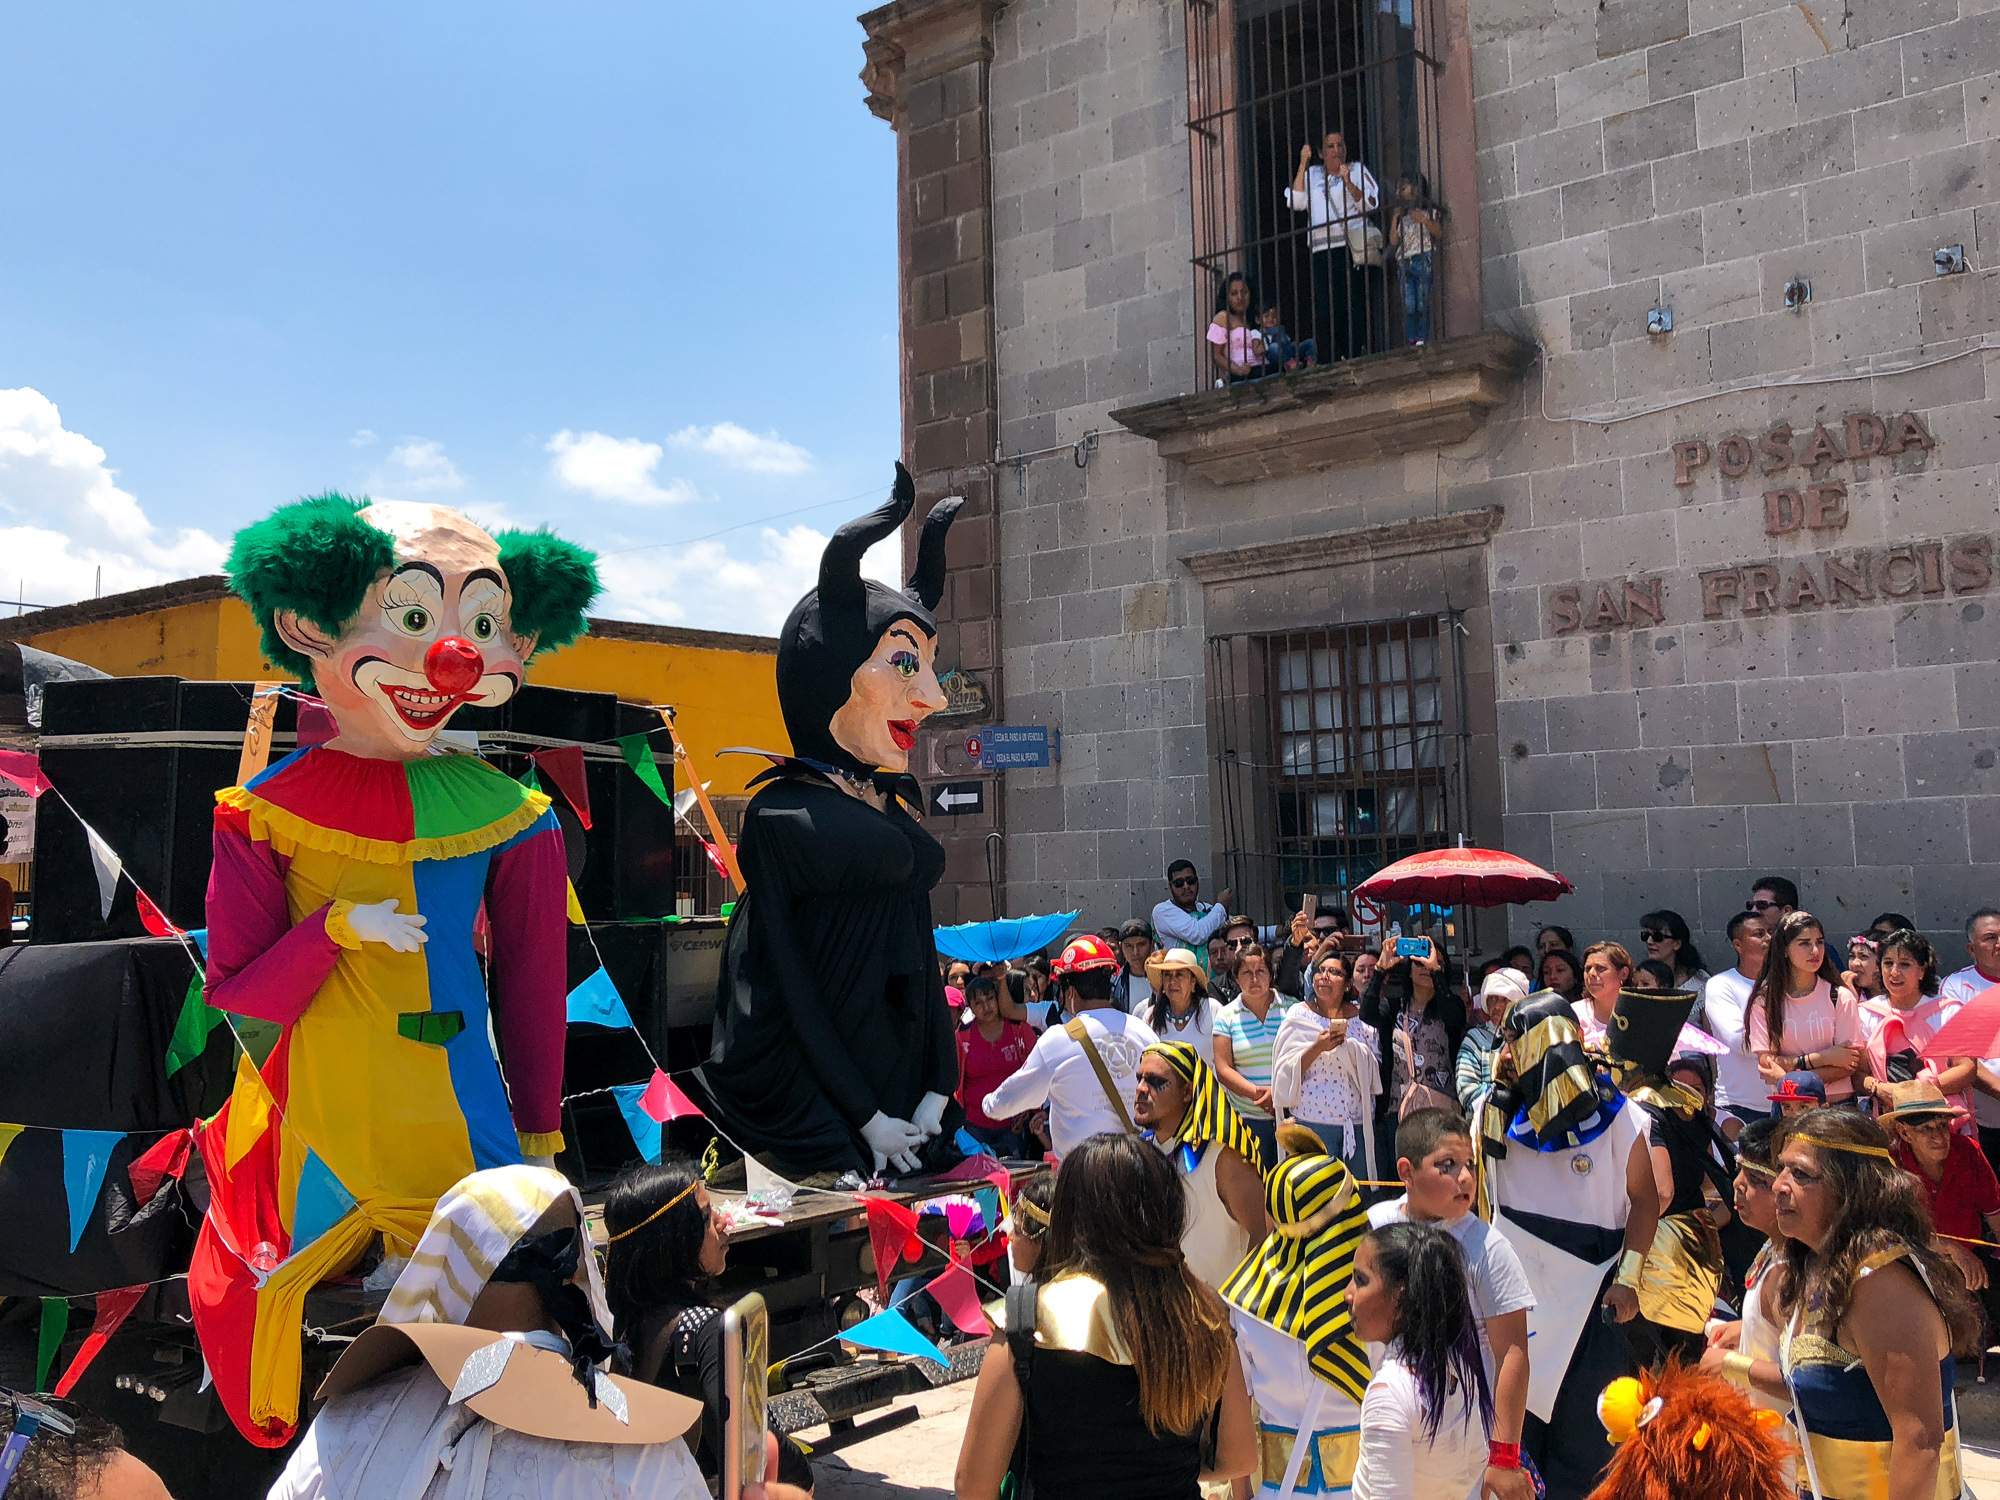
<point x="664" y="1101"/>
<point x="24" y="770"/>
<point x="973" y="1169"/>
<point x="958" y="1295"/>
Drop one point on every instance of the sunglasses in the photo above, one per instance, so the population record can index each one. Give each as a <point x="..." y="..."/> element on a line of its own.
<point x="30" y="1417"/>
<point x="1760" y="906"/>
<point x="1238" y="942"/>
<point x="1184" y="880"/>
<point x="1649" y="936"/>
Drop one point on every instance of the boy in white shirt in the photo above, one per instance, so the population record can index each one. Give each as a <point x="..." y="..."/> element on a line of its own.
<point x="1436" y="1164"/>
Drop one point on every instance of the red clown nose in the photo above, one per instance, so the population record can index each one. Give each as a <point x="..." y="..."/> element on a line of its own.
<point x="454" y="665"/>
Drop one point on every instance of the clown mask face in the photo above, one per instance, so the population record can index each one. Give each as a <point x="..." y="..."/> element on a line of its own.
<point x="890" y="694"/>
<point x="431" y="635"/>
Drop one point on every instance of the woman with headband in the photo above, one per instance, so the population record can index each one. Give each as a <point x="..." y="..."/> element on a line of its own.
<point x="667" y="1245"/>
<point x="1869" y="1312"/>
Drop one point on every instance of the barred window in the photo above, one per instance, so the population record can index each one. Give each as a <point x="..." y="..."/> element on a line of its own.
<point x="1315" y="241"/>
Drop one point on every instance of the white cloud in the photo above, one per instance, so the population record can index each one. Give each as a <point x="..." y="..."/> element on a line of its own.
<point x="612" y="468"/>
<point x="417" y="466"/>
<point x="702" y="585"/>
<point x="361" y="439"/>
<point x="63" y="516"/>
<point x="743" y="449"/>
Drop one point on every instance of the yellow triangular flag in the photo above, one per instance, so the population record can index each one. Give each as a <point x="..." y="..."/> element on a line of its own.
<point x="7" y="1135"/>
<point x="249" y="1111"/>
<point x="575" y="907"/>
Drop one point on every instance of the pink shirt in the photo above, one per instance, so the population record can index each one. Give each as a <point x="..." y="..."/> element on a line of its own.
<point x="1890" y="1030"/>
<point x="1812" y="1023"/>
<point x="983" y="1066"/>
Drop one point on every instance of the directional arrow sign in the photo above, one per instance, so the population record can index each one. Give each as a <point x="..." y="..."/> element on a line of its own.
<point x="957" y="797"/>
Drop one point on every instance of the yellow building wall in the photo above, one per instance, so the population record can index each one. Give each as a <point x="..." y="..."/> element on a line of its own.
<point x="720" y="697"/>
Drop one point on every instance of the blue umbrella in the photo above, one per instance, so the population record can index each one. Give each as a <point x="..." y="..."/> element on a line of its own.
<point x="996" y="942"/>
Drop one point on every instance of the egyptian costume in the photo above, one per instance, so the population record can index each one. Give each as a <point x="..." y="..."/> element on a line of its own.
<point x="830" y="1008"/>
<point x="1214" y="1243"/>
<point x="1682" y="1275"/>
<point x="1288" y="1305"/>
<point x="1554" y="1153"/>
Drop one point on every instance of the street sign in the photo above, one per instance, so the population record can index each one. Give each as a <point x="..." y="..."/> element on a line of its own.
<point x="1015" y="747"/>
<point x="958" y="797"/>
<point x="972" y="747"/>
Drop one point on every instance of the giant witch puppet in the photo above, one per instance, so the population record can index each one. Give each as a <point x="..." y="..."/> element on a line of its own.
<point x="347" y="884"/>
<point x="833" y="1049"/>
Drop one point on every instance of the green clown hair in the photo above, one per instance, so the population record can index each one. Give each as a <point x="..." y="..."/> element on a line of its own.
<point x="316" y="558"/>
<point x="553" y="582"/>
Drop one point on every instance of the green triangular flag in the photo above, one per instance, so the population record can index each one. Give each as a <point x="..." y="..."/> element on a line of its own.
<point x="192" y="1030"/>
<point x="529" y="780"/>
<point x="638" y="753"/>
<point x="55" y="1323"/>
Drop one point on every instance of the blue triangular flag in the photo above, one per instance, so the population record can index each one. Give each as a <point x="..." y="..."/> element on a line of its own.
<point x="199" y="937"/>
<point x="597" y="1001"/>
<point x="645" y="1129"/>
<point x="969" y="1144"/>
<point x="86" y="1158"/>
<point x="988" y="1199"/>
<point x="320" y="1204"/>
<point x="892" y="1331"/>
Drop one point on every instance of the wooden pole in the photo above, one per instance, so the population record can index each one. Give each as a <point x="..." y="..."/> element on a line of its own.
<point x="723" y="846"/>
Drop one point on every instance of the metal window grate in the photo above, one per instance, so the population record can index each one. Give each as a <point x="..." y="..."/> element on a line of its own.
<point x="1339" y="751"/>
<point x="1266" y="77"/>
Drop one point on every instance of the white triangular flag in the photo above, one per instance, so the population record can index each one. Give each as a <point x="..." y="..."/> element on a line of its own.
<point x="766" y="1189"/>
<point x="108" y="866"/>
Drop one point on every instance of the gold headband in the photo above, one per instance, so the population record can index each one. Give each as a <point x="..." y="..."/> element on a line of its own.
<point x="1770" y="1173"/>
<point x="1024" y="1206"/>
<point x="1826" y="1145"/>
<point x="670" y="1203"/>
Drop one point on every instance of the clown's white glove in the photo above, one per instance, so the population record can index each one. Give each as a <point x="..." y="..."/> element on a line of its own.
<point x="929" y="1117"/>
<point x="894" y="1142"/>
<point x="382" y="923"/>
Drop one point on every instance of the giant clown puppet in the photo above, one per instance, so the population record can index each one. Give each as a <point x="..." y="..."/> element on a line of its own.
<point x="347" y="885"/>
<point x="833" y="1050"/>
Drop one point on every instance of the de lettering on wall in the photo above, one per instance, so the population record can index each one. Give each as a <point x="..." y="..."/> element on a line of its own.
<point x="1815" y="504"/>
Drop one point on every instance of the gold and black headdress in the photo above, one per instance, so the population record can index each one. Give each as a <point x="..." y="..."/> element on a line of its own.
<point x="1644" y="1027"/>
<point x="1210" y="1116"/>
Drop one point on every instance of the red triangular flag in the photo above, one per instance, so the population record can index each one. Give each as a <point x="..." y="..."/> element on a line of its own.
<point x="112" y="1309"/>
<point x="958" y="1295"/>
<point x="24" y="770"/>
<point x="166" y="1157"/>
<point x="564" y="766"/>
<point x="155" y="919"/>
<point x="892" y="1234"/>
<point x="664" y="1101"/>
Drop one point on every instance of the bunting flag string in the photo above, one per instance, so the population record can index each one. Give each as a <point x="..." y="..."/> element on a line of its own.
<point x="107" y="866"/>
<point x="597" y="1002"/>
<point x="664" y="1101"/>
<point x="113" y="1308"/>
<point x="54" y="1324"/>
<point x="24" y="770"/>
<point x="646" y="1131"/>
<point x="86" y="1158"/>
<point x="891" y="1331"/>
<point x="8" y="1135"/>
<point x="955" y="1292"/>
<point x="638" y="752"/>
<point x="564" y="765"/>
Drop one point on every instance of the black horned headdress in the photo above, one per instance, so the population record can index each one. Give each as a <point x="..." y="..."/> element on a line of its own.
<point x="834" y="628"/>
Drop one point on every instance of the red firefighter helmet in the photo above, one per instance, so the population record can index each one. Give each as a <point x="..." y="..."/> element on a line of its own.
<point x="1083" y="955"/>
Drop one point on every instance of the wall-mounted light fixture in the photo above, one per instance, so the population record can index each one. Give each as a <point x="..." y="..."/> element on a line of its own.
<point x="1660" y="320"/>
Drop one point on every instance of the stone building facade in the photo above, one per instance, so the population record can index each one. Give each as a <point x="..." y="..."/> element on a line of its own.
<point x="1693" y="604"/>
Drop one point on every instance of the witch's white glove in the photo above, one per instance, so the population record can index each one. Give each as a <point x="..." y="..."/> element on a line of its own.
<point x="382" y="923"/>
<point x="929" y="1117"/>
<point x="894" y="1142"/>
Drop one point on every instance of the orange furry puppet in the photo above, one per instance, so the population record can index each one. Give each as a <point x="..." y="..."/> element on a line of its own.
<point x="1684" y="1435"/>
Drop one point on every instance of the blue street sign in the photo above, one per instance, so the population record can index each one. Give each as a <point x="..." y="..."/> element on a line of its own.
<point x="1005" y="747"/>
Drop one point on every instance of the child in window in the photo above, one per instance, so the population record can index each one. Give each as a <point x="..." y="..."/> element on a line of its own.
<point x="1414" y="231"/>
<point x="1280" y="352"/>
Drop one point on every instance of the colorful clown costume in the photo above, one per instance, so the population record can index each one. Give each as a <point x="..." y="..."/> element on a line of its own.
<point x="383" y="1089"/>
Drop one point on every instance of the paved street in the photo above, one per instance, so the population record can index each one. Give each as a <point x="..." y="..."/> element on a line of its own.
<point x="916" y="1462"/>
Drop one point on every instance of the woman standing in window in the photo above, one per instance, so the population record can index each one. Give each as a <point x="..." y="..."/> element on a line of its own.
<point x="1235" y="348"/>
<point x="1801" y="1017"/>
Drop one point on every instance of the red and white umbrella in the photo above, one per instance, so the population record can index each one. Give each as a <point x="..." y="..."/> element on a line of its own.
<point x="1463" y="877"/>
<point x="1973" y="1032"/>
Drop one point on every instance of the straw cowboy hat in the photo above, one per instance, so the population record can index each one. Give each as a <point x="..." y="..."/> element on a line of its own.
<point x="1919" y="1099"/>
<point x="1177" y="959"/>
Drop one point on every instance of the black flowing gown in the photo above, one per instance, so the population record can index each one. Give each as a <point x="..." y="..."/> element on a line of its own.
<point x="830" y="1006"/>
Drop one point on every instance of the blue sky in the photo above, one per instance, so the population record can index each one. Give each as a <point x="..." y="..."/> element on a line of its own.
<point x="628" y="269"/>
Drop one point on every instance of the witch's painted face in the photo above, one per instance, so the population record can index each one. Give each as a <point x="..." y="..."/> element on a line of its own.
<point x="890" y="694"/>
<point x="431" y="635"/>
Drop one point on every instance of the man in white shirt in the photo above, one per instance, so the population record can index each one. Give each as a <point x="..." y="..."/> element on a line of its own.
<point x="1740" y="1090"/>
<point x="1085" y="1071"/>
<point x="1349" y="307"/>
<point x="1982" y="946"/>
<point x="1183" y="920"/>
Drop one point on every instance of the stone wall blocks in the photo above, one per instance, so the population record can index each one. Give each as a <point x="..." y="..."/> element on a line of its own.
<point x="1976" y="694"/>
<point x="1859" y="200"/>
<point x="1836" y="641"/>
<point x="1703" y="713"/>
<point x="1632" y="25"/>
<point x="1954" y="53"/>
<point x="1658" y="366"/>
<point x="1598" y="841"/>
<point x="1958" y="764"/>
<point x="1665" y="243"/>
<point x="1780" y="37"/>
<point x="1834" y="267"/>
<point x="1750" y="106"/>
<point x="1927" y="831"/>
<point x="1660" y="130"/>
<point x="1874" y="324"/>
<point x="1848" y="80"/>
<point x="1595" y="721"/>
<point x="1615" y="86"/>
<point x="1558" y="46"/>
<point x="1691" y="838"/>
<point x="1645" y="778"/>
<point x="1629" y="894"/>
<point x="1755" y="346"/>
<point x="1720" y="292"/>
<point x="1598" y="319"/>
<point x="1702" y="60"/>
<point x="1786" y="838"/>
<point x="1747" y="775"/>
<point x="1884" y="19"/>
<point x="1790" y="708"/>
<point x="1754" y="225"/>
<point x="1516" y="113"/>
<point x="1802" y="153"/>
<point x="1550" y="783"/>
<point x="1962" y="177"/>
<point x="1956" y="889"/>
<point x="1946" y="632"/>
<point x="1695" y="179"/>
<point x="1848" y="770"/>
<point x="1916" y="126"/>
<point x="1847" y="899"/>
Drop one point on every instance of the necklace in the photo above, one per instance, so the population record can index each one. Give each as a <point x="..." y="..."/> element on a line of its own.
<point x="1178" y="1022"/>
